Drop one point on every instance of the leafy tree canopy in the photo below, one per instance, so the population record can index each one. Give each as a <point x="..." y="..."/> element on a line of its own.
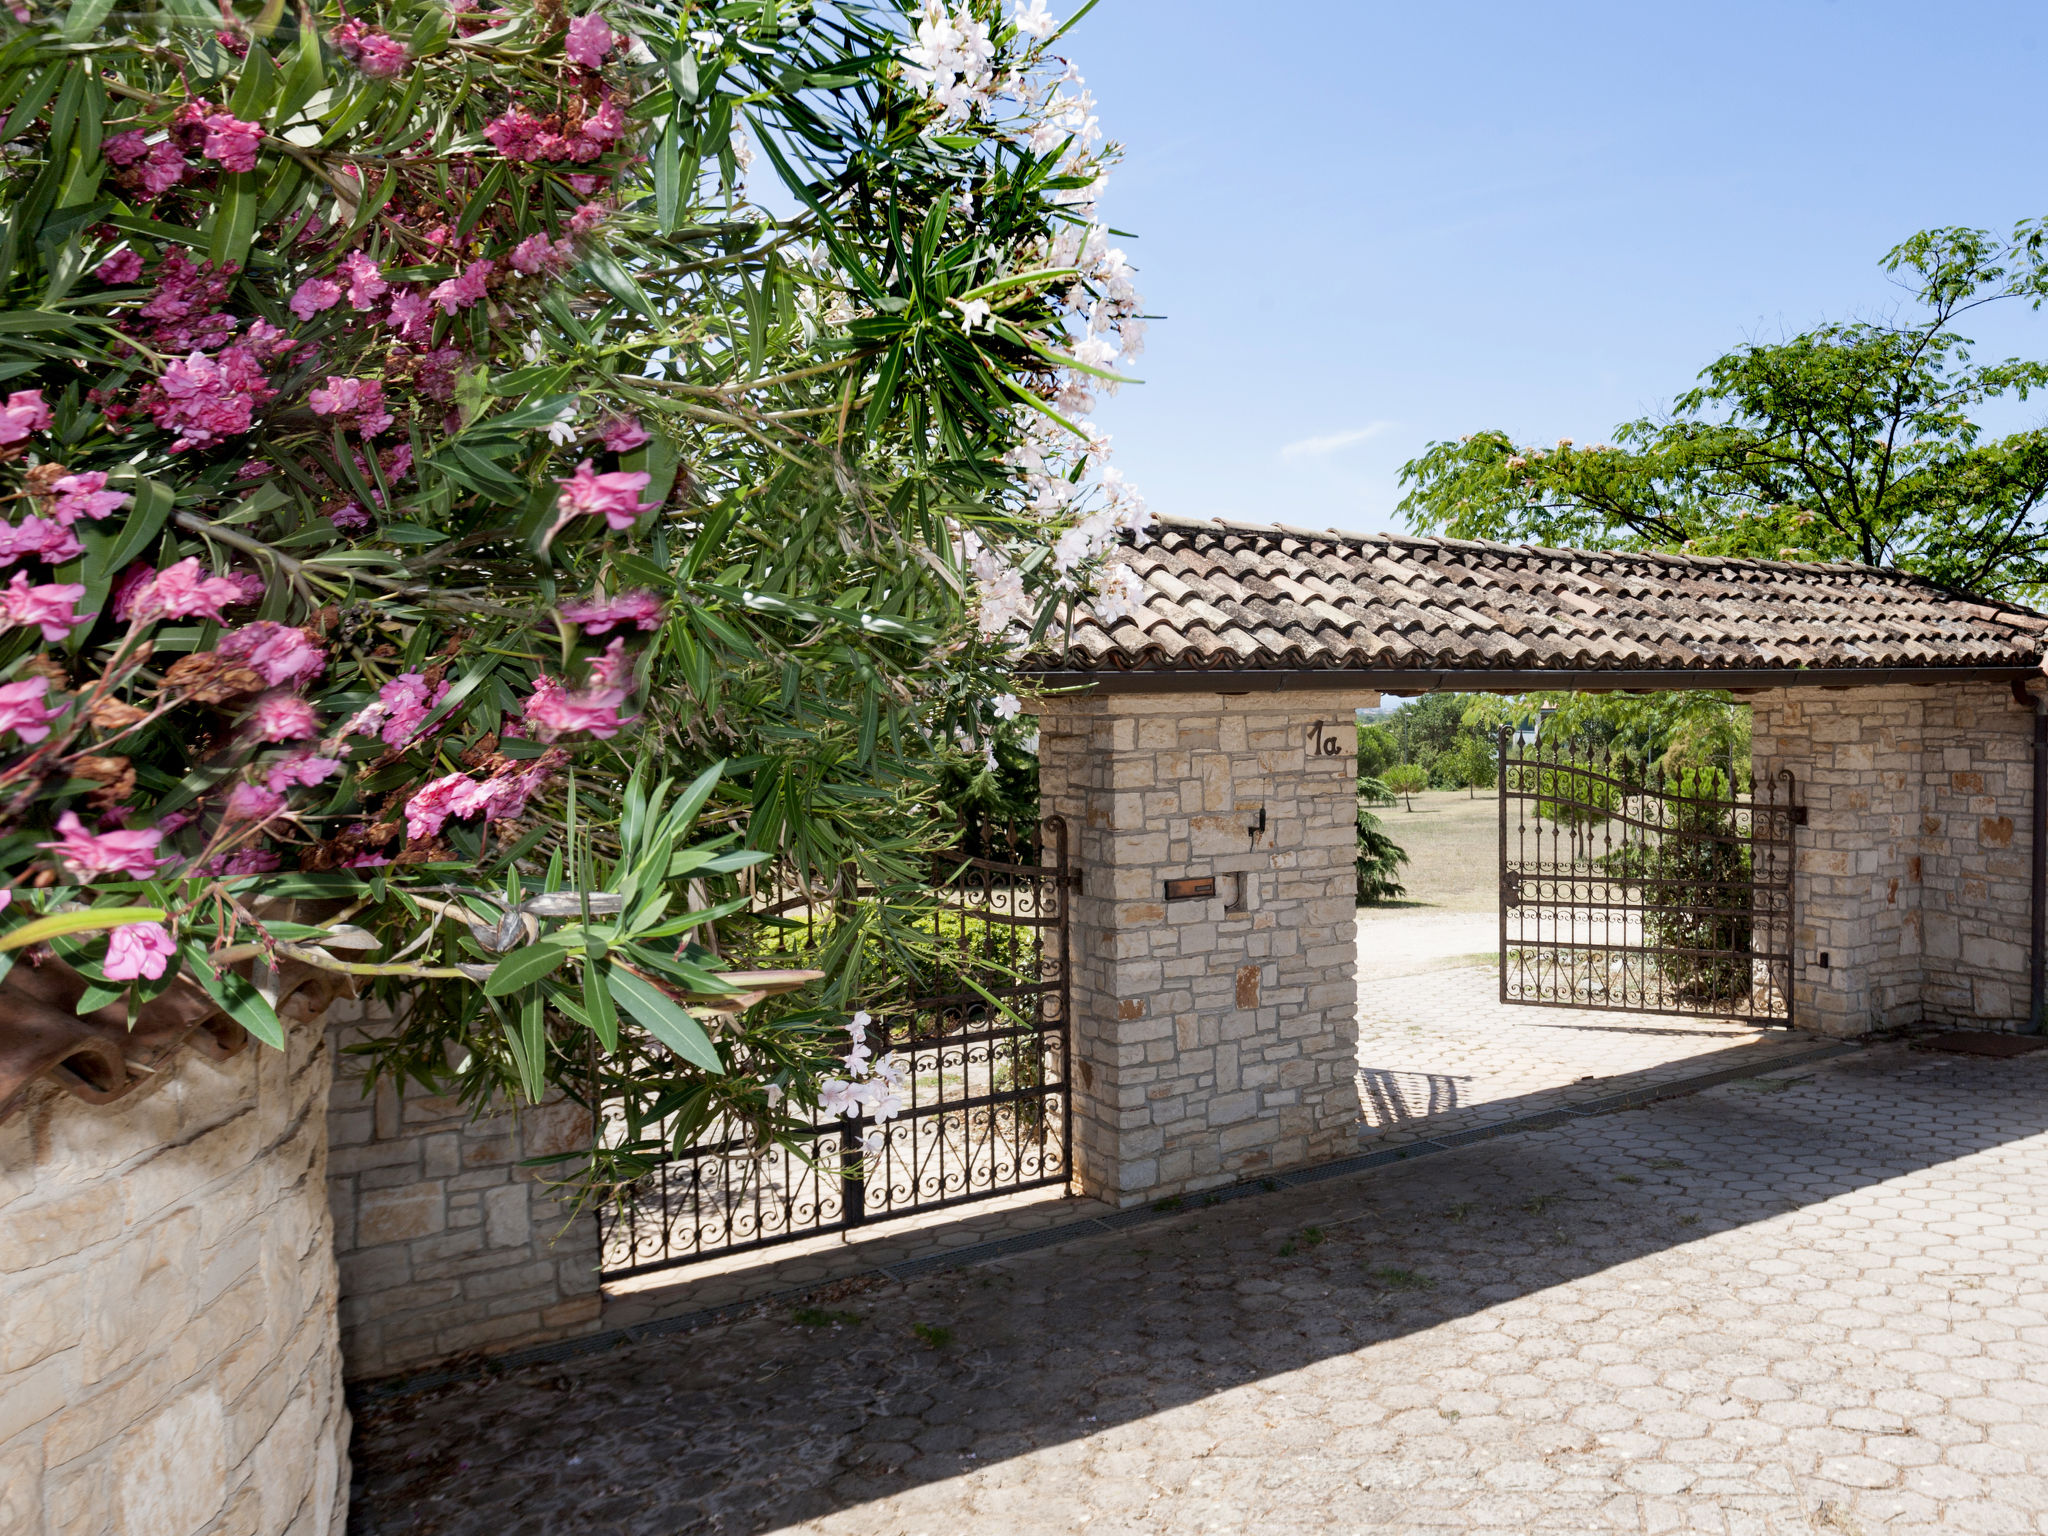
<point x="1854" y="441"/>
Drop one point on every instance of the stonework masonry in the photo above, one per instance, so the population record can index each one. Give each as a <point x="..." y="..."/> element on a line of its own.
<point x="447" y="1244"/>
<point x="168" y="1358"/>
<point x="1912" y="873"/>
<point x="1213" y="1037"/>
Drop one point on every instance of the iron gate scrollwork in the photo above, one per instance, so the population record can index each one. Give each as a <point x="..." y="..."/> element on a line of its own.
<point x="986" y="1104"/>
<point x="1633" y="890"/>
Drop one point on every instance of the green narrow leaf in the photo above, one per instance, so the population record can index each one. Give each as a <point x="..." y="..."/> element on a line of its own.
<point x="83" y="19"/>
<point x="57" y="924"/>
<point x="533" y="1033"/>
<point x="244" y="1004"/>
<point x="597" y="1006"/>
<point x="662" y="1019"/>
<point x="93" y="999"/>
<point x="523" y="967"/>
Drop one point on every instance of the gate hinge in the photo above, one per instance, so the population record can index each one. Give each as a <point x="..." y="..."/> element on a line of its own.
<point x="1798" y="815"/>
<point x="1070" y="881"/>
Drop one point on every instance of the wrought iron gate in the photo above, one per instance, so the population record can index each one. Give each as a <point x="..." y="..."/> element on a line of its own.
<point x="1626" y="889"/>
<point x="987" y="1109"/>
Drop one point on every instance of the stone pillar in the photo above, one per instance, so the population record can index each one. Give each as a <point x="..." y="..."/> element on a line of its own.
<point x="1910" y="888"/>
<point x="1214" y="1037"/>
<point x="168" y="1358"/>
<point x="1974" y="860"/>
<point x="446" y="1242"/>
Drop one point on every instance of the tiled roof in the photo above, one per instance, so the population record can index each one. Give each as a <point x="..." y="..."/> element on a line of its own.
<point x="1232" y="597"/>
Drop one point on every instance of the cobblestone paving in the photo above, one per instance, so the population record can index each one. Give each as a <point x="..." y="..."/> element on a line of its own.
<point x="1813" y="1303"/>
<point x="1438" y="1051"/>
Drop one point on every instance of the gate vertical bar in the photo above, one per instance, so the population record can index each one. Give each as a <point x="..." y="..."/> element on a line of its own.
<point x="1064" y="883"/>
<point x="1502" y="903"/>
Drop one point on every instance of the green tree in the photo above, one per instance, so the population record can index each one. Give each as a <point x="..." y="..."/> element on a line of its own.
<point x="1430" y="727"/>
<point x="1473" y="764"/>
<point x="1379" y="862"/>
<point x="1378" y="750"/>
<point x="1404" y="779"/>
<point x="1856" y="440"/>
<point x="1673" y="732"/>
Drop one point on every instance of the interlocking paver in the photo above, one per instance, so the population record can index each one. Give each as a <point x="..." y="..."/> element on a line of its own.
<point x="1438" y="1052"/>
<point x="1730" y="1312"/>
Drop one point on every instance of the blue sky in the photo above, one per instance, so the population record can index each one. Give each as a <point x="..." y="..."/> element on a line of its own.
<point x="1370" y="225"/>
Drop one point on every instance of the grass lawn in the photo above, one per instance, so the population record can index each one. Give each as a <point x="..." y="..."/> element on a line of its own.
<point x="1453" y="843"/>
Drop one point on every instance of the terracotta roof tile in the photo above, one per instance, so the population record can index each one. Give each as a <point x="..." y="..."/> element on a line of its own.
<point x="1237" y="597"/>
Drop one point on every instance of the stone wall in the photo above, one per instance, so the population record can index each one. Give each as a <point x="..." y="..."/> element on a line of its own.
<point x="1912" y="890"/>
<point x="446" y="1243"/>
<point x="168" y="1357"/>
<point x="1213" y="1038"/>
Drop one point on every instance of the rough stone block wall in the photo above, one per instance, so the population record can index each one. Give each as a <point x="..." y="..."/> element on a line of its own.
<point x="1912" y="872"/>
<point x="446" y="1243"/>
<point x="1214" y="1038"/>
<point x="168" y="1358"/>
<point x="1974" y="857"/>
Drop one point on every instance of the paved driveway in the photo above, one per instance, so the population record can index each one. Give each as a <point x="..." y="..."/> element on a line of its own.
<point x="1814" y="1303"/>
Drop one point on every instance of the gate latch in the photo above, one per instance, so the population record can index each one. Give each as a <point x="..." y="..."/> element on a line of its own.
<point x="1511" y="888"/>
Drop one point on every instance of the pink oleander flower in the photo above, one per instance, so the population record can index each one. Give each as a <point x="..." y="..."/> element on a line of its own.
<point x="365" y="279"/>
<point x="622" y="434"/>
<point x="124" y="149"/>
<point x="38" y="538"/>
<point x="458" y="293"/>
<point x="361" y="399"/>
<point x="614" y="495"/>
<point x="538" y="256"/>
<point x="613" y="671"/>
<point x="86" y="855"/>
<point x="501" y="797"/>
<point x="248" y="584"/>
<point x="586" y="219"/>
<point x="124" y="266"/>
<point x="349" y="517"/>
<point x="402" y="706"/>
<point x="554" y="711"/>
<point x="410" y="315"/>
<point x="301" y="768"/>
<point x="205" y="399"/>
<point x="23" y="711"/>
<point x="286" y="657"/>
<point x="589" y="39"/>
<point x="84" y="495"/>
<point x="598" y="615"/>
<point x="282" y="716"/>
<point x="231" y="141"/>
<point x="136" y="949"/>
<point x="24" y="413"/>
<point x="253" y="802"/>
<point x="48" y="608"/>
<point x="377" y="54"/>
<point x="163" y="168"/>
<point x="181" y="590"/>
<point x="314" y="295"/>
<point x="131" y="584"/>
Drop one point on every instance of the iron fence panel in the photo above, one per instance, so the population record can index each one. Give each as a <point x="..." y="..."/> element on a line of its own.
<point x="1629" y="889"/>
<point x="986" y="1106"/>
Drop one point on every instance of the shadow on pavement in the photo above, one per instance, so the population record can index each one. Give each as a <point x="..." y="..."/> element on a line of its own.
<point x="765" y="1421"/>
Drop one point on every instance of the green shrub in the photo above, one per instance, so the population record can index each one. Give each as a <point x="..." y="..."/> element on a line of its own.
<point x="1379" y="859"/>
